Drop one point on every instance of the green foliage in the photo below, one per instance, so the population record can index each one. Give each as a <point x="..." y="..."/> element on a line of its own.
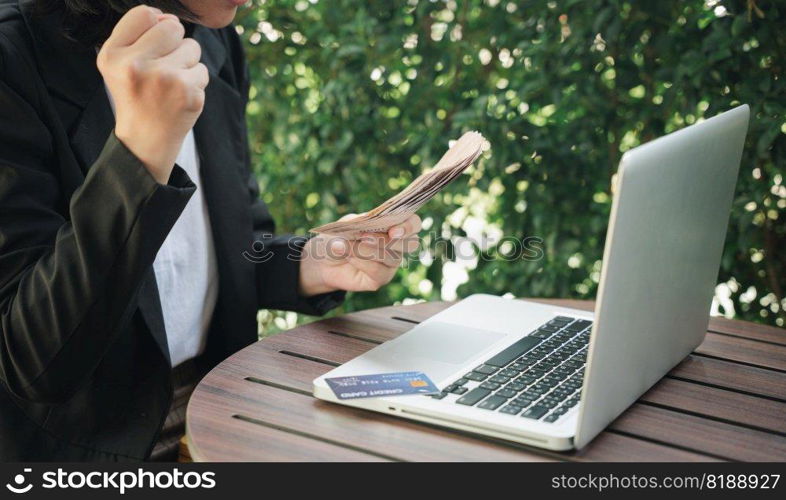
<point x="351" y="100"/>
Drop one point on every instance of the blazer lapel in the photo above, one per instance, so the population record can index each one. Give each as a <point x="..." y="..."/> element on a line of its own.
<point x="149" y="303"/>
<point x="219" y="134"/>
<point x="70" y="74"/>
<point x="92" y="128"/>
<point x="68" y="68"/>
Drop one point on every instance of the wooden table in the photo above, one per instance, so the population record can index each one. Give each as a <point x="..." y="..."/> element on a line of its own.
<point x="726" y="401"/>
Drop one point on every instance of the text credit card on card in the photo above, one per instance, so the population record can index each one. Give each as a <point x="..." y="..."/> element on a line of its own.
<point x="382" y="385"/>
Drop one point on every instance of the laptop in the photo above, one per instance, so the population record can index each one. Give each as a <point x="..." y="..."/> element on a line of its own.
<point x="555" y="377"/>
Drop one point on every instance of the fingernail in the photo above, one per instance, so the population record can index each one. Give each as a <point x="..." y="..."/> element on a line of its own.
<point x="397" y="232"/>
<point x="338" y="247"/>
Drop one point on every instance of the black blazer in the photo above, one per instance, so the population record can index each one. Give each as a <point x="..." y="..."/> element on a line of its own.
<point x="84" y="363"/>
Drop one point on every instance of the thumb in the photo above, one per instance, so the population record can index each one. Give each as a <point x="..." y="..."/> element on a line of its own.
<point x="337" y="248"/>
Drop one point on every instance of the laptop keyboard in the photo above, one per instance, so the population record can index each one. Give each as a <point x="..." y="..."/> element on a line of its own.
<point x="538" y="377"/>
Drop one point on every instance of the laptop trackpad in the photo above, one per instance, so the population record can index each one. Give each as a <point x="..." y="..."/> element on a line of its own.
<point x="441" y="342"/>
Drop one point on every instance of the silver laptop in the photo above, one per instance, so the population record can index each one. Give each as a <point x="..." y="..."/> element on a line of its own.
<point x="554" y="377"/>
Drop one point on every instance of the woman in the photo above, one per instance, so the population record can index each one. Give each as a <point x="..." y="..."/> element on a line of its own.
<point x="134" y="248"/>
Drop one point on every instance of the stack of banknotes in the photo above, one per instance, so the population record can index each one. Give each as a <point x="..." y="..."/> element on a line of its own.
<point x="401" y="206"/>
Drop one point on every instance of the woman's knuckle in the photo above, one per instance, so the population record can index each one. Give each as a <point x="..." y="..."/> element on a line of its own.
<point x="165" y="79"/>
<point x="175" y="27"/>
<point x="102" y="59"/>
<point x="195" y="100"/>
<point x="192" y="45"/>
<point x="132" y="71"/>
<point x="151" y="16"/>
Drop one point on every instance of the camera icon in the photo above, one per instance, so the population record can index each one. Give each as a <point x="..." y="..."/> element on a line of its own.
<point x="19" y="481"/>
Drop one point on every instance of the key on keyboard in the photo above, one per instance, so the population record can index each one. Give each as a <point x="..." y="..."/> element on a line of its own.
<point x="513" y="352"/>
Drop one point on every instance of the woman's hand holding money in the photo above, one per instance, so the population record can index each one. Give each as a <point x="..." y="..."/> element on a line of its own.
<point x="331" y="263"/>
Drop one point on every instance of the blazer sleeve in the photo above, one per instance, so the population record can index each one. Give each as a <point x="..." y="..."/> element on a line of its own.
<point x="69" y="270"/>
<point x="276" y="257"/>
<point x="277" y="260"/>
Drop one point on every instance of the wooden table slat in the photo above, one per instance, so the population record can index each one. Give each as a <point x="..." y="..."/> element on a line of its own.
<point x="754" y="331"/>
<point x="746" y="351"/>
<point x="720" y="404"/>
<point x="366" y="327"/>
<point x="316" y="343"/>
<point x="232" y="444"/>
<point x="718" y="438"/>
<point x="732" y="376"/>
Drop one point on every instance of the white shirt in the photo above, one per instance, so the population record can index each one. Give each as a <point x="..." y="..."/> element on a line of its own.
<point x="185" y="268"/>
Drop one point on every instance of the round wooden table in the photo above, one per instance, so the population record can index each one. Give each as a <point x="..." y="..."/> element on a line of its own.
<point x="726" y="401"/>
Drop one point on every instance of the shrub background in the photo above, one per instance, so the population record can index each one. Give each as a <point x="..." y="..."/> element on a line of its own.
<point x="352" y="99"/>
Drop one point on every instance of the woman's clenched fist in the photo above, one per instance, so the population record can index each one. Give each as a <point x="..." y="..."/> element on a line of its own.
<point x="157" y="83"/>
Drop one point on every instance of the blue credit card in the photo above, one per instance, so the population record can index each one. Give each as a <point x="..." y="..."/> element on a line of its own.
<point x="382" y="385"/>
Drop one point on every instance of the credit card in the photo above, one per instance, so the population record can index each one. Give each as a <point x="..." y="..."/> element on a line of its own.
<point x="382" y="385"/>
